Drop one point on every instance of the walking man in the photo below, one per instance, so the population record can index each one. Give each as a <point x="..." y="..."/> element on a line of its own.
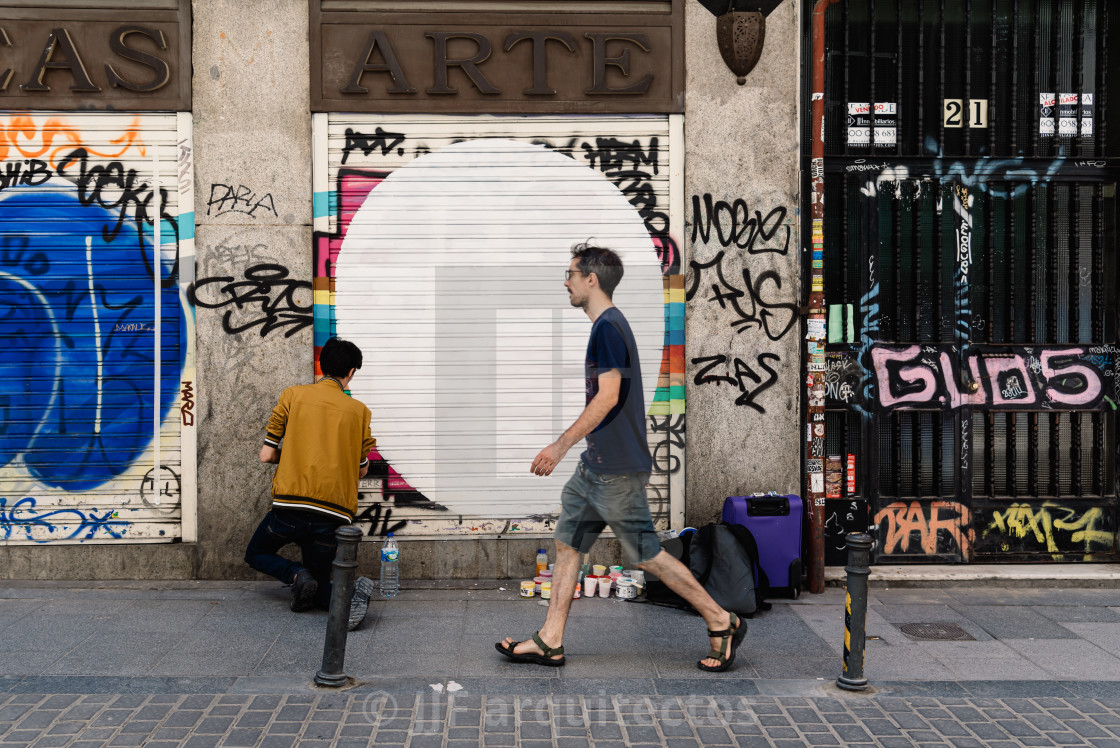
<point x="608" y="487"/>
<point x="327" y="441"/>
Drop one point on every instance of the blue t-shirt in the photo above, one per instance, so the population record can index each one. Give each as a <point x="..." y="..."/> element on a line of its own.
<point x="618" y="444"/>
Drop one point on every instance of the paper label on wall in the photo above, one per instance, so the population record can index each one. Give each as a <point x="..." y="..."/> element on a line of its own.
<point x="814" y="466"/>
<point x="851" y="474"/>
<point x="816" y="482"/>
<point x="815" y="329"/>
<point x="1087" y="114"/>
<point x="1067" y="114"/>
<point x="833" y="473"/>
<point x="1046" y="103"/>
<point x="859" y="123"/>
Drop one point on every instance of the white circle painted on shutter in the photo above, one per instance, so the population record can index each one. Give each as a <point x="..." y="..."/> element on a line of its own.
<point x="450" y="279"/>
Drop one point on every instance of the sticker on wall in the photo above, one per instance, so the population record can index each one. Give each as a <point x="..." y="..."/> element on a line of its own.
<point x="1046" y="103"/>
<point x="1067" y="114"/>
<point x="833" y="479"/>
<point x="1087" y="114"/>
<point x="816" y="484"/>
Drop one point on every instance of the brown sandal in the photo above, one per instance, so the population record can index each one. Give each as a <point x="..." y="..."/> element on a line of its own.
<point x="734" y="633"/>
<point x="532" y="658"/>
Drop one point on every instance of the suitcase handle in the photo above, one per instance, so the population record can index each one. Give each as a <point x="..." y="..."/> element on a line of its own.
<point x="768" y="506"/>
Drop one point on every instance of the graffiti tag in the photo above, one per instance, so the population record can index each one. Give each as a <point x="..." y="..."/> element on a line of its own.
<point x="261" y="283"/>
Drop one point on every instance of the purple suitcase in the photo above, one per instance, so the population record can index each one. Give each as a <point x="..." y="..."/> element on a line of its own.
<point x="775" y="522"/>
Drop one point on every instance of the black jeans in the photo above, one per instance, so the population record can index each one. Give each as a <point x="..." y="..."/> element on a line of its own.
<point x="313" y="533"/>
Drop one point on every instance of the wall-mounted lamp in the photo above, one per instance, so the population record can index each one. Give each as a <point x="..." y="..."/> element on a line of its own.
<point x="740" y="32"/>
<point x="740" y="36"/>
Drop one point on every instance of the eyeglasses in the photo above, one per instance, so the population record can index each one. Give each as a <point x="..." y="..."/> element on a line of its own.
<point x="568" y="274"/>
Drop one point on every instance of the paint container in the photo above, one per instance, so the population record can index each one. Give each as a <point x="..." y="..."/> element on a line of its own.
<point x="528" y="587"/>
<point x="546" y="589"/>
<point x="616" y="568"/>
<point x="615" y="577"/>
<point x="604" y="586"/>
<point x="599" y="570"/>
<point x="547" y="574"/>
<point x="537" y="584"/>
<point x="639" y="578"/>
<point x="626" y="589"/>
<point x="590" y="584"/>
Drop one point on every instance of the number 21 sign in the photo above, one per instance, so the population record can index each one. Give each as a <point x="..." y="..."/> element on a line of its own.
<point x="956" y="115"/>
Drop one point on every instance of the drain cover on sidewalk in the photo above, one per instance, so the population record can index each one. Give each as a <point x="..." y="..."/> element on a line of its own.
<point x="936" y="631"/>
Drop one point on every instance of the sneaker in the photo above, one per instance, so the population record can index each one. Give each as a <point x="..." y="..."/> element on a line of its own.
<point x="359" y="604"/>
<point x="304" y="590"/>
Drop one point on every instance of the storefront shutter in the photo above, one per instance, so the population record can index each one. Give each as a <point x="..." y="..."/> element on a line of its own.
<point x="441" y="249"/>
<point x="80" y="399"/>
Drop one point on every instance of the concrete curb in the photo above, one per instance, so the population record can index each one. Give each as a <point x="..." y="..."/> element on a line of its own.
<point x="1085" y="576"/>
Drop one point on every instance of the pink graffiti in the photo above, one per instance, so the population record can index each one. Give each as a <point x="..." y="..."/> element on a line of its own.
<point x="353" y="190"/>
<point x="1092" y="381"/>
<point x="908" y="374"/>
<point x="923" y="377"/>
<point x="956" y="398"/>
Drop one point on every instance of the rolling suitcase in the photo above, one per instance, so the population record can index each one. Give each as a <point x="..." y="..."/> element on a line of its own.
<point x="775" y="522"/>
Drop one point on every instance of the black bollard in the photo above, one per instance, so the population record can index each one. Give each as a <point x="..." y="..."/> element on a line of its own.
<point x="342" y="592"/>
<point x="855" y="613"/>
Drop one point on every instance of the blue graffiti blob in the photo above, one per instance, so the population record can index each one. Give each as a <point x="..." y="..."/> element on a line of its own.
<point x="76" y="339"/>
<point x="1014" y="175"/>
<point x="24" y="517"/>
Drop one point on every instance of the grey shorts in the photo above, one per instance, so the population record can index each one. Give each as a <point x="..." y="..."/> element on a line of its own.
<point x="591" y="501"/>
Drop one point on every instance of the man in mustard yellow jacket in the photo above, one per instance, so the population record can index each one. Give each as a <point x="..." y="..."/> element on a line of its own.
<point x="327" y="441"/>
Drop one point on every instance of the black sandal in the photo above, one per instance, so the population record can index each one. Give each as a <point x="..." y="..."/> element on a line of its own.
<point x="735" y="633"/>
<point x="532" y="658"/>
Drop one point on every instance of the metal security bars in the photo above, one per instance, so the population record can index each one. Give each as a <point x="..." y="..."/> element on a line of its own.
<point x="969" y="257"/>
<point x="971" y="78"/>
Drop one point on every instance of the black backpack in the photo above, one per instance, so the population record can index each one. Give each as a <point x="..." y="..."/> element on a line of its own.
<point x="724" y="559"/>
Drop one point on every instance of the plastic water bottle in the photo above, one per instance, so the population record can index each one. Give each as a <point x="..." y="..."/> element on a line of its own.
<point x="542" y="560"/>
<point x="390" y="571"/>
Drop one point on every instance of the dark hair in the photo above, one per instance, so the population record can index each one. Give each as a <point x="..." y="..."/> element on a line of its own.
<point x="606" y="265"/>
<point x="338" y="357"/>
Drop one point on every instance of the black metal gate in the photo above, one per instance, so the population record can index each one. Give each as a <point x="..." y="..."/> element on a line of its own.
<point x="970" y="275"/>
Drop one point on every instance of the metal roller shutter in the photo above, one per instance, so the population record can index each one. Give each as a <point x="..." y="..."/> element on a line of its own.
<point x="82" y="408"/>
<point x="441" y="249"/>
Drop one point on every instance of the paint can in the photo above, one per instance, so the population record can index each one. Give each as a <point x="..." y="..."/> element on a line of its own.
<point x="546" y="590"/>
<point x="590" y="584"/>
<point x="528" y="587"/>
<point x="626" y="589"/>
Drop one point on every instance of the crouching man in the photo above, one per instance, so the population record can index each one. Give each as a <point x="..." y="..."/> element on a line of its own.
<point x="326" y="449"/>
